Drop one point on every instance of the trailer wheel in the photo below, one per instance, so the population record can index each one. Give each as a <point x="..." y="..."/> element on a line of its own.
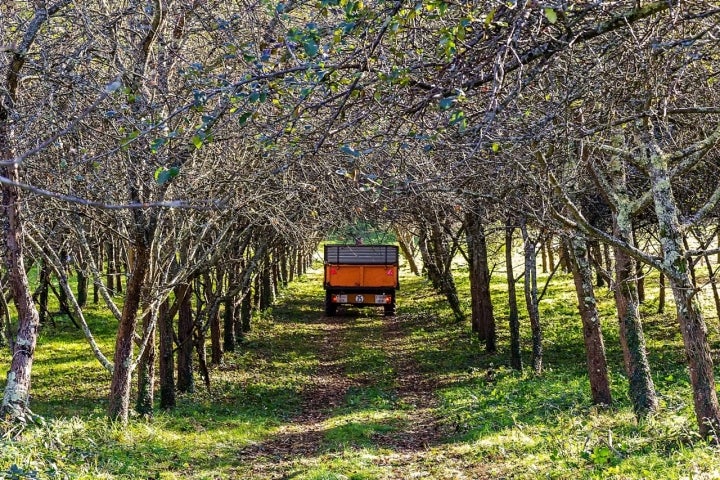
<point x="330" y="309"/>
<point x="390" y="310"/>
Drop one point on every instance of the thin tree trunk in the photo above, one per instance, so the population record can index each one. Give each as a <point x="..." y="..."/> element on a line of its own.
<point x="82" y="290"/>
<point x="245" y="313"/>
<point x="120" y="385"/>
<point x="96" y="288"/>
<point x="185" y="380"/>
<point x="229" y="314"/>
<point x="595" y="246"/>
<point x="483" y="319"/>
<point x="632" y="338"/>
<point x="110" y="276"/>
<point x="117" y="263"/>
<point x="513" y="316"/>
<point x="713" y="284"/>
<point x="531" y="298"/>
<point x="167" y="364"/>
<point x="146" y="370"/>
<point x="403" y="242"/>
<point x="551" y="252"/>
<point x="592" y="332"/>
<point x="661" y="293"/>
<point x="43" y="291"/>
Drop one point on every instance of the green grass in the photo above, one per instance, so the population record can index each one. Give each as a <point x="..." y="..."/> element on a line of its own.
<point x="497" y="423"/>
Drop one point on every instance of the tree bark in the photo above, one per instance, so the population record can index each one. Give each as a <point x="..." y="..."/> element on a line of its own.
<point x="16" y="398"/>
<point x="513" y="315"/>
<point x="713" y="283"/>
<point x="632" y="338"/>
<point x="592" y="331"/>
<point x="120" y="385"/>
<point x="146" y="370"/>
<point x="404" y="243"/>
<point x="483" y="319"/>
<point x="531" y="298"/>
<point x="689" y="314"/>
<point x="167" y="364"/>
<point x="185" y="380"/>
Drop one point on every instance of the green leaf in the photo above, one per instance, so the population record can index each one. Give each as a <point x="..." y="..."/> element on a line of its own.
<point x="489" y="17"/>
<point x="244" y="118"/>
<point x="550" y="15"/>
<point x="446" y="103"/>
<point x="157" y="144"/>
<point x="197" y="141"/>
<point x="349" y="150"/>
<point x="163" y="175"/>
<point x="495" y="147"/>
<point x="129" y="138"/>
<point x="458" y="118"/>
<point x="311" y="47"/>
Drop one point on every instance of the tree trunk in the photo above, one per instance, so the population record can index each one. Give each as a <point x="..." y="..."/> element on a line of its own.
<point x="592" y="332"/>
<point x="167" y="365"/>
<point x="689" y="314"/>
<point x="110" y="276"/>
<point x="117" y="263"/>
<point x="483" y="319"/>
<point x="531" y="298"/>
<point x="229" y="325"/>
<point x="595" y="247"/>
<point x="245" y="313"/>
<point x="266" y="287"/>
<point x="713" y="284"/>
<point x="120" y="385"/>
<point x="215" y="339"/>
<point x="82" y="288"/>
<point x="96" y="287"/>
<point x="43" y="291"/>
<point x="16" y="398"/>
<point x="661" y="293"/>
<point x="513" y="316"/>
<point x="146" y="370"/>
<point x="185" y="380"/>
<point x="551" y="252"/>
<point x="632" y="338"/>
<point x="404" y="243"/>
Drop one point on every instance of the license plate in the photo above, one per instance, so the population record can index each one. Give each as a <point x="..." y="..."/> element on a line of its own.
<point x="341" y="298"/>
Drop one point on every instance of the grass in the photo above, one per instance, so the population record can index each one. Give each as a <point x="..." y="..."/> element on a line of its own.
<point x="496" y="423"/>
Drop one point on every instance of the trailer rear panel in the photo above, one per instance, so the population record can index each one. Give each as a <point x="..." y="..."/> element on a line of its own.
<point x="361" y="275"/>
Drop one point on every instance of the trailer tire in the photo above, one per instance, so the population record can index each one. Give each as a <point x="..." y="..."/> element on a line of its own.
<point x="330" y="308"/>
<point x="390" y="310"/>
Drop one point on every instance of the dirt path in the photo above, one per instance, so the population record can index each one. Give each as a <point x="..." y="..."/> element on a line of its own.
<point x="303" y="435"/>
<point x="414" y="390"/>
<point x="401" y="449"/>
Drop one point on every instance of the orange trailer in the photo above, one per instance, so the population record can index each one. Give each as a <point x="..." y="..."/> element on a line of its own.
<point x="361" y="275"/>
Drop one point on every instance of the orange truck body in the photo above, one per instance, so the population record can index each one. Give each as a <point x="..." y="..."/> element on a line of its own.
<point x="361" y="275"/>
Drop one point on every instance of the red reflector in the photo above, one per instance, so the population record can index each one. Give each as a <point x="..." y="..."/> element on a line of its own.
<point x="388" y="299"/>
